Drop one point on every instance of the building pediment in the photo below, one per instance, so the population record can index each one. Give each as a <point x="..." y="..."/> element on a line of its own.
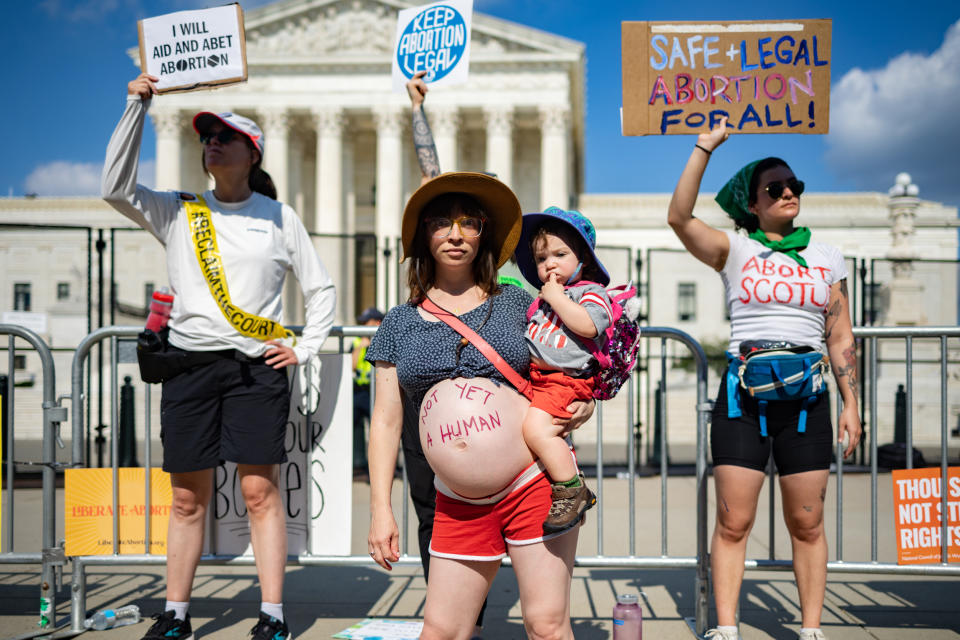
<point x="289" y="30"/>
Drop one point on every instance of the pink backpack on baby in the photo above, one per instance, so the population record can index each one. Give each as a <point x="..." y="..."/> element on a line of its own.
<point x="618" y="354"/>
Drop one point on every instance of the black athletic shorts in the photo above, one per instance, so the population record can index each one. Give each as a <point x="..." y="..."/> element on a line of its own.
<point x="737" y="441"/>
<point x="233" y="409"/>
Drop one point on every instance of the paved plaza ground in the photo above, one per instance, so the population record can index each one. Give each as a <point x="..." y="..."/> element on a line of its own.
<point x="320" y="601"/>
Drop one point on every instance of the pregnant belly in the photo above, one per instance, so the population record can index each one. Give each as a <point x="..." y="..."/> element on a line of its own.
<point x="470" y="430"/>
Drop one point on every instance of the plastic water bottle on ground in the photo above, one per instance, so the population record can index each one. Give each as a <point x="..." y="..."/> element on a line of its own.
<point x="627" y="618"/>
<point x="110" y="618"/>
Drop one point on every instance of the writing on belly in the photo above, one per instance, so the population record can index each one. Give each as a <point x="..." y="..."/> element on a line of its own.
<point x="471" y="422"/>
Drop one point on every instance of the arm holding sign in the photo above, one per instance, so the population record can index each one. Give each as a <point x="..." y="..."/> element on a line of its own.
<point x="708" y="245"/>
<point x="144" y="85"/>
<point x="152" y="210"/>
<point x="422" y="136"/>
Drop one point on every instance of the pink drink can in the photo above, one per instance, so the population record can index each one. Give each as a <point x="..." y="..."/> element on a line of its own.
<point x="627" y="618"/>
<point x="160" y="306"/>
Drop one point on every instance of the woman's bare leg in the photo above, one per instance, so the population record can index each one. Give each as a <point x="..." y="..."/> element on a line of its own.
<point x="268" y="526"/>
<point x="544" y="573"/>
<point x="188" y="521"/>
<point x="455" y="593"/>
<point x="803" y="496"/>
<point x="737" y="489"/>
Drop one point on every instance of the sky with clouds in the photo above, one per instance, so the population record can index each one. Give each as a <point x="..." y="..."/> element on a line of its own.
<point x="895" y="84"/>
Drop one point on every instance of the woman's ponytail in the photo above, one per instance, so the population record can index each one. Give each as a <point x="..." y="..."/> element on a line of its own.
<point x="261" y="182"/>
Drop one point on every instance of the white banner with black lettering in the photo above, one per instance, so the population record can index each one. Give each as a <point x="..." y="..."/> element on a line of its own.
<point x="194" y="49"/>
<point x="319" y="448"/>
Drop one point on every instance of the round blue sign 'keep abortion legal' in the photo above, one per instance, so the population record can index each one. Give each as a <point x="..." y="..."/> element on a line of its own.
<point x="433" y="41"/>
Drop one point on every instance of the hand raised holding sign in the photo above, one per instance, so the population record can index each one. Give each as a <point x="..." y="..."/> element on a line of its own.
<point x="417" y="89"/>
<point x="715" y="137"/>
<point x="143" y="86"/>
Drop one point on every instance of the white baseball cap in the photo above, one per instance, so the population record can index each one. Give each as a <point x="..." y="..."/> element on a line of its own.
<point x="206" y="119"/>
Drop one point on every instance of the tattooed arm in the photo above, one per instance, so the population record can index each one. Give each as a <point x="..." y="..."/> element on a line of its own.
<point x="422" y="136"/>
<point x="838" y="336"/>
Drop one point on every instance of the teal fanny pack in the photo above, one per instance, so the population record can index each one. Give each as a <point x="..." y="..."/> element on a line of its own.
<point x="787" y="373"/>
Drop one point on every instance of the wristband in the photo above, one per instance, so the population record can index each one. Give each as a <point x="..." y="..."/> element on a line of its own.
<point x="704" y="149"/>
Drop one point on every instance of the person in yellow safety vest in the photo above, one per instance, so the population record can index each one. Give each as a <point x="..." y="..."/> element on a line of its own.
<point x="362" y="370"/>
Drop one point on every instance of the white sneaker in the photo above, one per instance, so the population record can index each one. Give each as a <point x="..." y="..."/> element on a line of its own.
<point x="718" y="634"/>
<point x="812" y="634"/>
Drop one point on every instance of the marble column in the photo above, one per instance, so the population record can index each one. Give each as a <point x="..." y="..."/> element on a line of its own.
<point x="276" y="125"/>
<point x="554" y="156"/>
<point x="166" y="123"/>
<point x="295" y="168"/>
<point x="329" y="124"/>
<point x="389" y="205"/>
<point x="347" y="296"/>
<point x="445" y="125"/>
<point x="499" y="121"/>
<point x="191" y="176"/>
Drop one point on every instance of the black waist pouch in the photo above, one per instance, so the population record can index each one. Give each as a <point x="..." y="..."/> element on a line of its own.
<point x="159" y="361"/>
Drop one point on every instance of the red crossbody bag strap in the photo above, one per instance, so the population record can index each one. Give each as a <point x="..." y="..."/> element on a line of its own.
<point x="518" y="381"/>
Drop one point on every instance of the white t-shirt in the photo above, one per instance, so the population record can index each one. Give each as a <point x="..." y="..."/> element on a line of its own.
<point x="259" y="240"/>
<point x="771" y="297"/>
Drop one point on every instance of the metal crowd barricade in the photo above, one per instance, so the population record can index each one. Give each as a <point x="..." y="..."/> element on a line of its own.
<point x="699" y="562"/>
<point x="79" y="563"/>
<point x="664" y="560"/>
<point x="114" y="334"/>
<point x="869" y="338"/>
<point x="51" y="557"/>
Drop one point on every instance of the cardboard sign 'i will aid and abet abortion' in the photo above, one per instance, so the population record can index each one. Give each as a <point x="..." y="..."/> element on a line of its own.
<point x="191" y="50"/>
<point x="765" y="76"/>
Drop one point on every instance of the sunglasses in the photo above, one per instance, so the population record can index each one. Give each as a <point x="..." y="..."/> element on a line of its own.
<point x="470" y="226"/>
<point x="224" y="136"/>
<point x="775" y="189"/>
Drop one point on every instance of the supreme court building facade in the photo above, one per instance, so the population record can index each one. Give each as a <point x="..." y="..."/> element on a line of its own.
<point x="338" y="140"/>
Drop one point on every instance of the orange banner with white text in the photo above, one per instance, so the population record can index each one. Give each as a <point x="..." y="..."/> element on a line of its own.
<point x="916" y="512"/>
<point x="88" y="507"/>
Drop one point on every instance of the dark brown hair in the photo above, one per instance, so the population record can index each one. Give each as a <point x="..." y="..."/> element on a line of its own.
<point x="258" y="180"/>
<point x="422" y="272"/>
<point x="574" y="240"/>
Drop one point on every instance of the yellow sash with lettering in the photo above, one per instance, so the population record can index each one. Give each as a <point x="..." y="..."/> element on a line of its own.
<point x="204" y="238"/>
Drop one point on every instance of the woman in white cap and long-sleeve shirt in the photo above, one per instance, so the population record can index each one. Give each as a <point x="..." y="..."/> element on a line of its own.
<point x="232" y="402"/>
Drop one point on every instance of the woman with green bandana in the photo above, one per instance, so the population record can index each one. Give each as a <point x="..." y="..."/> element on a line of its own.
<point x="784" y="290"/>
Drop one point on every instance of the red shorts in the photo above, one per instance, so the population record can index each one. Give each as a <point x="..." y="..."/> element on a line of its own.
<point x="553" y="391"/>
<point x="465" y="531"/>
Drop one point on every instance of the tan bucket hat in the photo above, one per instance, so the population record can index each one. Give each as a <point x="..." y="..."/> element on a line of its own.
<point x="497" y="200"/>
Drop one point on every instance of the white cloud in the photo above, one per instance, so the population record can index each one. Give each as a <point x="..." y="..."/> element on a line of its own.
<point x="61" y="178"/>
<point x="900" y="118"/>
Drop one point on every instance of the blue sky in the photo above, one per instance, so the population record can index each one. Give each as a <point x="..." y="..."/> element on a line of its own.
<point x="895" y="76"/>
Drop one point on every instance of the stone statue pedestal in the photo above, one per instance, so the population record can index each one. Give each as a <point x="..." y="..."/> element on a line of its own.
<point x="906" y="299"/>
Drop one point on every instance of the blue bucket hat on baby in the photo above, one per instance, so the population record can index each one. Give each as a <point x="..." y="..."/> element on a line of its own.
<point x="576" y="220"/>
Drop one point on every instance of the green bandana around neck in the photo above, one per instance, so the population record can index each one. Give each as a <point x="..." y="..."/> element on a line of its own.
<point x="791" y="245"/>
<point x="734" y="197"/>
